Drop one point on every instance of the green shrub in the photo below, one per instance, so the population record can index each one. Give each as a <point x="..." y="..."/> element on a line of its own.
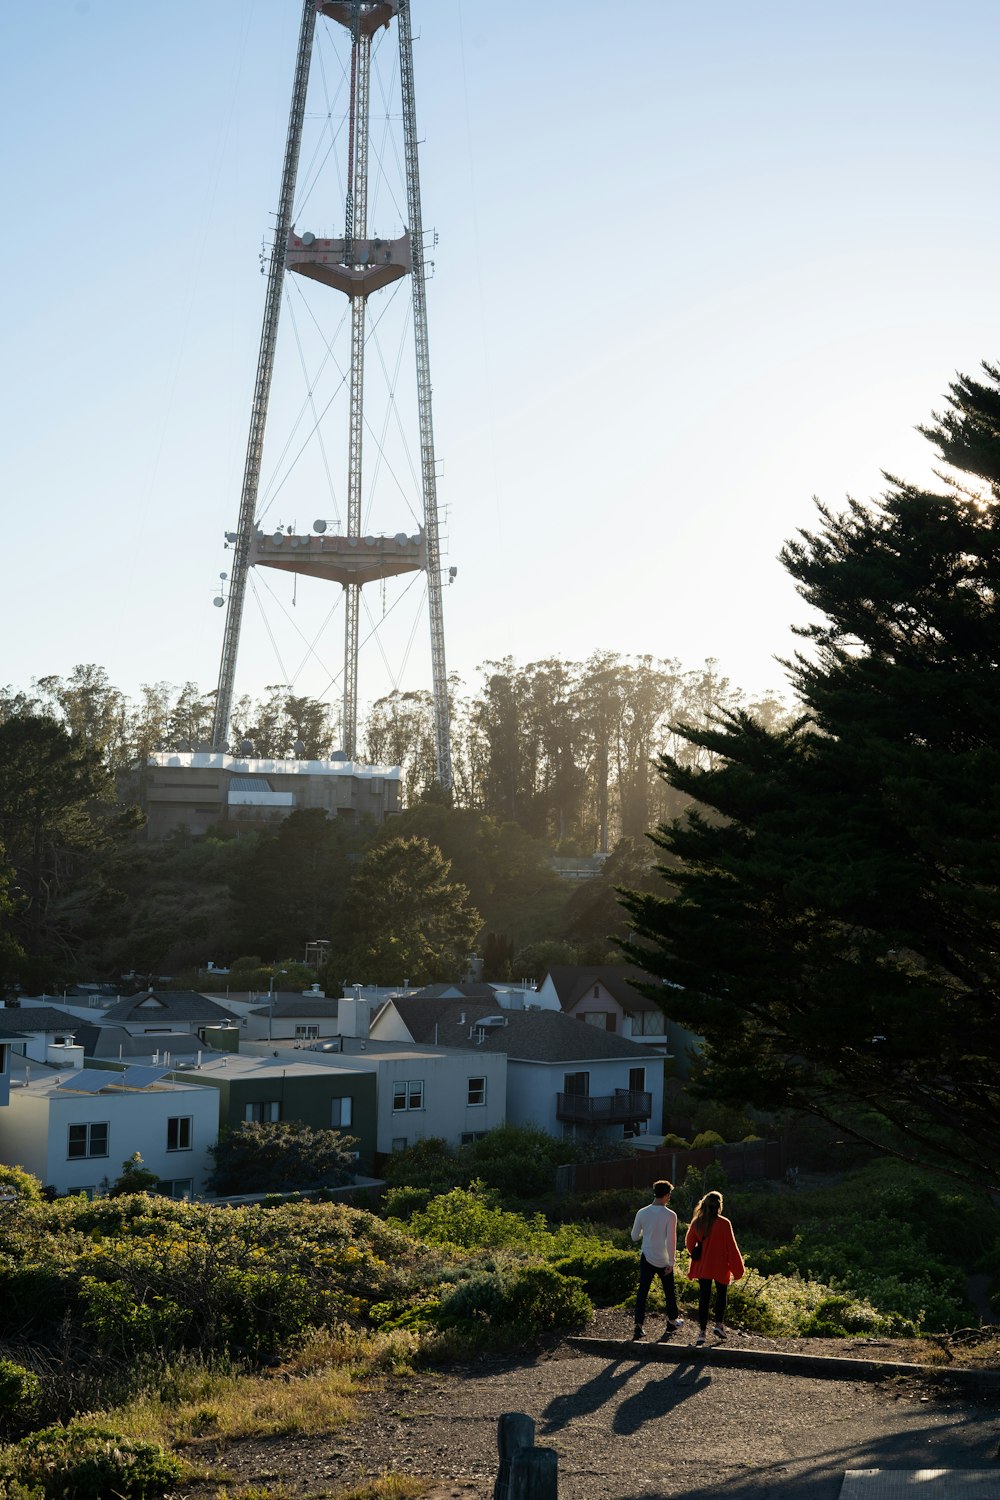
<point x="17" y="1180"/>
<point x="707" y="1138"/>
<point x="82" y="1462"/>
<point x="403" y="1202"/>
<point x="676" y="1143"/>
<point x="19" y="1395"/>
<point x="539" y="1300"/>
<point x="607" y="1275"/>
<point x="530" y="1301"/>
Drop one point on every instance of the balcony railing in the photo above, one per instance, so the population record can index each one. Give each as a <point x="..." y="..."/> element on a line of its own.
<point x="604" y="1109"/>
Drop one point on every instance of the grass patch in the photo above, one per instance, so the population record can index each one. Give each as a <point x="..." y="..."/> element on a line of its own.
<point x="196" y="1403"/>
<point x="388" y="1487"/>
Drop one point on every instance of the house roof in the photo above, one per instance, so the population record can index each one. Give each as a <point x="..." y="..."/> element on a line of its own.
<point x="571" y="983"/>
<point x="168" y="1005"/>
<point x="37" y="1018"/>
<point x="110" y="1041"/>
<point x="474" y="990"/>
<point x="287" y="1006"/>
<point x="546" y="1036"/>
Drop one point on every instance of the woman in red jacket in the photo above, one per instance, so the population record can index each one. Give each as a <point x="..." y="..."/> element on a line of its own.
<point x="717" y="1260"/>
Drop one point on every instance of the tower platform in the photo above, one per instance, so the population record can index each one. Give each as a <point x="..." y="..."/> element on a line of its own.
<point x="373" y="263"/>
<point x="339" y="559"/>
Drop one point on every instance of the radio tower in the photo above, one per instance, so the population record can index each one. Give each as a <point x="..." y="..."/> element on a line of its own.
<point x="355" y="266"/>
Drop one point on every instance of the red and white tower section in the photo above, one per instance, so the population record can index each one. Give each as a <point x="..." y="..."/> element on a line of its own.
<point x="353" y="266"/>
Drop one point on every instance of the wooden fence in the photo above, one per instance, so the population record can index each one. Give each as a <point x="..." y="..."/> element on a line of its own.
<point x="742" y="1162"/>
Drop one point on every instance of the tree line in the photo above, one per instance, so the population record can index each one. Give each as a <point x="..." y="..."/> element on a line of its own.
<point x="566" y="750"/>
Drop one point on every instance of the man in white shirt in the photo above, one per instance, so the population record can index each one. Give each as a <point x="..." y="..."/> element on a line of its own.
<point x="656" y="1226"/>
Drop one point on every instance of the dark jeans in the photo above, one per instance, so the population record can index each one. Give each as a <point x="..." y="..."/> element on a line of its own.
<point x="646" y="1273"/>
<point x="705" y="1296"/>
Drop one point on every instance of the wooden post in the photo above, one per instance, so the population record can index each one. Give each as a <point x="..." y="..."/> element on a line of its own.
<point x="514" y="1431"/>
<point x="534" y="1474"/>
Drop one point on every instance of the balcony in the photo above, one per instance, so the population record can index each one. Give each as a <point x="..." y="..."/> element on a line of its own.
<point x="620" y="1108"/>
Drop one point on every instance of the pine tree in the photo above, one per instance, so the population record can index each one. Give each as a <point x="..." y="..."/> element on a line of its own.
<point x="834" y="923"/>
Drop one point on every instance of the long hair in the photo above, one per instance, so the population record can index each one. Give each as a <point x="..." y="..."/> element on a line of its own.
<point x="707" y="1211"/>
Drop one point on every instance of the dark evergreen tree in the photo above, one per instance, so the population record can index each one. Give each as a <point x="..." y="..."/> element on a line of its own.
<point x="406" y="918"/>
<point x="835" y="926"/>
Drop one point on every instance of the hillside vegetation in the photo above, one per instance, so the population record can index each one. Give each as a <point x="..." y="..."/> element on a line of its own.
<point x="170" y="1320"/>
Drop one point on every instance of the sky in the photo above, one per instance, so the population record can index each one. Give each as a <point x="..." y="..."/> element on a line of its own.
<point x="694" y="265"/>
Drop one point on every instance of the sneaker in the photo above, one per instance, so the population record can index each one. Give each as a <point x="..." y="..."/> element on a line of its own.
<point x="638" y="1333"/>
<point x="675" y="1322"/>
<point x="719" y="1331"/>
<point x="699" y="1340"/>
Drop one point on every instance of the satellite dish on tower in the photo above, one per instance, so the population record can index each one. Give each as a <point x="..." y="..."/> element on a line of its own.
<point x="308" y="238"/>
<point x="319" y="526"/>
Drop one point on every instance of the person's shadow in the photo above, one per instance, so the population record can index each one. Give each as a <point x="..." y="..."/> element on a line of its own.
<point x="588" y="1397"/>
<point x="657" y="1397"/>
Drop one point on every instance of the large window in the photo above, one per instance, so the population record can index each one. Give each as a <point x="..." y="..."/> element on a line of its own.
<point x="408" y="1094"/>
<point x="477" y="1091"/>
<point x="577" y="1084"/>
<point x="179" y="1133"/>
<point x="264" y="1113"/>
<point x="87" y="1140"/>
<point x="649" y="1023"/>
<point x="307" y="1032"/>
<point x="180" y="1187"/>
<point x="342" y="1114"/>
<point x="604" y="1020"/>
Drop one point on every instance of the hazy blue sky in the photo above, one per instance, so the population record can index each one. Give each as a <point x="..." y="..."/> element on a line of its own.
<point x="696" y="264"/>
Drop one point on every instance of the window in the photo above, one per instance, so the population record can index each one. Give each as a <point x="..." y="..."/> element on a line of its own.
<point x="649" y="1023"/>
<point x="179" y="1187"/>
<point x="469" y="1136"/>
<point x="477" y="1091"/>
<point x="637" y="1080"/>
<point x="577" y="1084"/>
<point x="597" y="991"/>
<point x="264" y="1113"/>
<point x="408" y="1094"/>
<point x="179" y="1133"/>
<point x="87" y="1140"/>
<point x="603" y="1019"/>
<point x="307" y="1033"/>
<point x="399" y="1143"/>
<point x="343" y="1113"/>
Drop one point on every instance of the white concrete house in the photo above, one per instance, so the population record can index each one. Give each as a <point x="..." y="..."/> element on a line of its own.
<point x="74" y="1128"/>
<point x="422" y="1091"/>
<point x="563" y="1077"/>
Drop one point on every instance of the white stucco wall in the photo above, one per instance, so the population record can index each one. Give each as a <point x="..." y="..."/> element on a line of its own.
<point x="532" y="1088"/>
<point x="445" y="1111"/>
<point x="34" y="1131"/>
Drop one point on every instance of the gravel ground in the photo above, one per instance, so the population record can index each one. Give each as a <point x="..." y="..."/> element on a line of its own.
<point x="627" y="1428"/>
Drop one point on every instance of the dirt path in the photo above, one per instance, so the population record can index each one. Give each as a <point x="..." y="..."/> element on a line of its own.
<point x="628" y="1428"/>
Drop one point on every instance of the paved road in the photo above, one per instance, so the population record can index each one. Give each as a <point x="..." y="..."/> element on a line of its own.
<point x="629" y="1429"/>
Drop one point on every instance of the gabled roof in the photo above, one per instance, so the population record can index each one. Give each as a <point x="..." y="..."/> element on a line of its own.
<point x="546" y="1036"/>
<point x="37" y="1018"/>
<point x="114" y="1042"/>
<point x="426" y="1019"/>
<point x="571" y="983"/>
<point x="287" y="1006"/>
<point x="168" y="1005"/>
<point x="475" y="990"/>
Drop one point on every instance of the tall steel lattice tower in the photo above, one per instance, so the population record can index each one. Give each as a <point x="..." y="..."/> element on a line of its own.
<point x="356" y="266"/>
